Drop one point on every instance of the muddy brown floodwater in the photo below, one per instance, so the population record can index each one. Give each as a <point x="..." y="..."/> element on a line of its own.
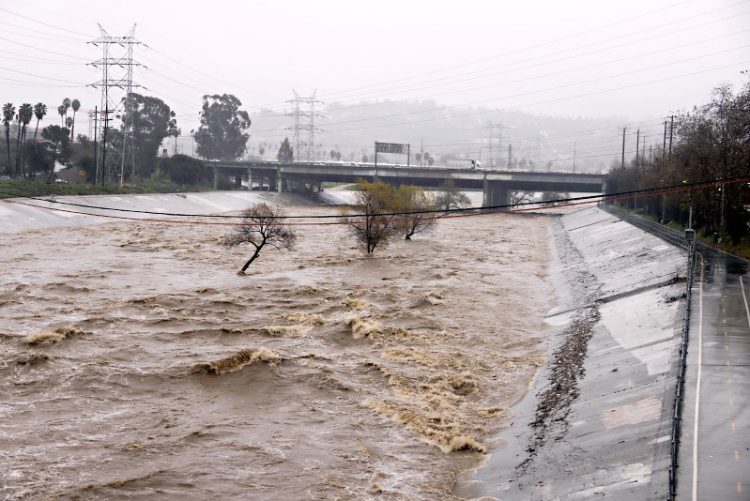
<point x="135" y="363"/>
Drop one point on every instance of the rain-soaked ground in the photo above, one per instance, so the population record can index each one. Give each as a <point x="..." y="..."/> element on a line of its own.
<point x="135" y="363"/>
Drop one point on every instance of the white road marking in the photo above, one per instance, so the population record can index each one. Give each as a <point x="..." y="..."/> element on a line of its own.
<point x="698" y="385"/>
<point x="744" y="298"/>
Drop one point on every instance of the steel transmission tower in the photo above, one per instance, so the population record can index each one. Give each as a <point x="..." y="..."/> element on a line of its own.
<point x="304" y="121"/>
<point x="495" y="134"/>
<point x="297" y="114"/>
<point x="117" y="73"/>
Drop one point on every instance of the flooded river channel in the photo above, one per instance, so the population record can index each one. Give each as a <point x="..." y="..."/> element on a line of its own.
<point x="136" y="363"/>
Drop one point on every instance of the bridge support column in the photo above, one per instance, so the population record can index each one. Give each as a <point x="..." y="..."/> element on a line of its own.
<point x="249" y="179"/>
<point x="495" y="194"/>
<point x="216" y="177"/>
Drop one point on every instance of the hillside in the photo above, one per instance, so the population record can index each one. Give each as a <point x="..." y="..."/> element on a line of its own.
<point x="538" y="142"/>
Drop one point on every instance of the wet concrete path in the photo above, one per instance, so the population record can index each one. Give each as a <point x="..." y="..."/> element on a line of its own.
<point x="715" y="445"/>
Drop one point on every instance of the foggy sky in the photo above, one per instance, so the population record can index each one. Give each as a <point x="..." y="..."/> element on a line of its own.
<point x="638" y="60"/>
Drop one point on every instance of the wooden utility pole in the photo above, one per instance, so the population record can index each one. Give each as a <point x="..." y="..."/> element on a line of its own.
<point x="622" y="161"/>
<point x="671" y="133"/>
<point x="664" y="145"/>
<point x="637" y="148"/>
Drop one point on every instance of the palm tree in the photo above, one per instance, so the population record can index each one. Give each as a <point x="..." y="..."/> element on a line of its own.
<point x="18" y="143"/>
<point x="61" y="111"/>
<point x="55" y="135"/>
<point x="8" y="112"/>
<point x="68" y="122"/>
<point x="66" y="104"/>
<point x="76" y="104"/>
<point x="25" y="114"/>
<point x="40" y="109"/>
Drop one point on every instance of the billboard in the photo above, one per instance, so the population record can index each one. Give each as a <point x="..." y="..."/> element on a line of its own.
<point x="398" y="148"/>
<point x="403" y="149"/>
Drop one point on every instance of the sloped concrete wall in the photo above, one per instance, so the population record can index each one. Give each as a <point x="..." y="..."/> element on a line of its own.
<point x="26" y="214"/>
<point x="608" y="433"/>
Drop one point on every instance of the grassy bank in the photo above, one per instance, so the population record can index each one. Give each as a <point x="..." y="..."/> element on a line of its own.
<point x="742" y="248"/>
<point x="24" y="188"/>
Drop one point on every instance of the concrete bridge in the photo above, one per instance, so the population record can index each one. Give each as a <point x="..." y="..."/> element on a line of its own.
<point x="496" y="185"/>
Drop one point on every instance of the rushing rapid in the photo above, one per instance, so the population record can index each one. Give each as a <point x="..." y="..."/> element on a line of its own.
<point x="137" y="363"/>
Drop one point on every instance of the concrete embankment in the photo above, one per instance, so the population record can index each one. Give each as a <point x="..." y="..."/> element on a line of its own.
<point x="20" y="214"/>
<point x="597" y="423"/>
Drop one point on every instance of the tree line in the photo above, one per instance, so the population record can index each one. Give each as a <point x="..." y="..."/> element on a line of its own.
<point x="710" y="143"/>
<point x="31" y="157"/>
<point x="144" y="123"/>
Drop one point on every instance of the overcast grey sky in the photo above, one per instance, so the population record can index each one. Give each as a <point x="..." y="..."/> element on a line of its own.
<point x="638" y="59"/>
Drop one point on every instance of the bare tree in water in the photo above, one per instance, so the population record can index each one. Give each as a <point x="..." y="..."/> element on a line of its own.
<point x="262" y="225"/>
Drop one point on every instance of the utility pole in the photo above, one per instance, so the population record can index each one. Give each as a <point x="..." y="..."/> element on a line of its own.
<point x="638" y="150"/>
<point x="664" y="145"/>
<point x="643" y="152"/>
<point x="510" y="154"/>
<point x="122" y="81"/>
<point x="574" y="156"/>
<point x="622" y="162"/>
<point x="671" y="132"/>
<point x="104" y="143"/>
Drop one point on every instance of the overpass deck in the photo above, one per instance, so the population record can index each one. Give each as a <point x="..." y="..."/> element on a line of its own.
<point x="496" y="184"/>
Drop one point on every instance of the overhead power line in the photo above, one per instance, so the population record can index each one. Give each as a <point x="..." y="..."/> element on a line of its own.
<point x="515" y="69"/>
<point x="18" y="56"/>
<point x="42" y="50"/>
<point x="26" y="83"/>
<point x="206" y="74"/>
<point x="547" y="43"/>
<point x="548" y="89"/>
<point x="554" y="100"/>
<point x="37" y="37"/>
<point x="43" y="23"/>
<point x="40" y="76"/>
<point x="482" y="210"/>
<point x="31" y="30"/>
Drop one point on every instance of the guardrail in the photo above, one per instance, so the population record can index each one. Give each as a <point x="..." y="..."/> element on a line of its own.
<point x="680" y="386"/>
<point x="676" y="238"/>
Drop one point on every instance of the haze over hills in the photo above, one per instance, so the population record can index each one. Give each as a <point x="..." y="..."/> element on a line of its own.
<point x="445" y="132"/>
